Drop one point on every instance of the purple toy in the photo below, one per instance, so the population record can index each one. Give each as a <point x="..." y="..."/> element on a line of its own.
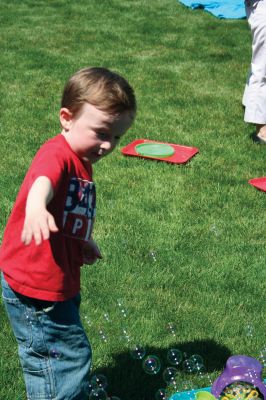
<point x="240" y="369"/>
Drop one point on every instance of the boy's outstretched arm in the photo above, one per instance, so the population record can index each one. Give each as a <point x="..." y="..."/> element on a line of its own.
<point x="38" y="221"/>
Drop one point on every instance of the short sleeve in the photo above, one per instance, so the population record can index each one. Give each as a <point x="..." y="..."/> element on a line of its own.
<point x="50" y="162"/>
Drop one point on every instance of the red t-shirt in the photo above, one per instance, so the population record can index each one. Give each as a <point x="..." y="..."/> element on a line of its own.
<point x="51" y="271"/>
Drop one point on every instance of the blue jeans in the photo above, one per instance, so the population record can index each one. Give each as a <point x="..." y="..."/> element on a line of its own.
<point x="54" y="351"/>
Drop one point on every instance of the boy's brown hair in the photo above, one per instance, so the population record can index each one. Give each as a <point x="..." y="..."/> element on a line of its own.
<point x="100" y="87"/>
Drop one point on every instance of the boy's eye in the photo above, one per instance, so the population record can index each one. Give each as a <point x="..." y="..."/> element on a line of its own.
<point x="103" y="135"/>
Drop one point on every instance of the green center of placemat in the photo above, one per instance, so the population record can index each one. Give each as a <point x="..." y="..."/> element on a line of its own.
<point x="155" y="150"/>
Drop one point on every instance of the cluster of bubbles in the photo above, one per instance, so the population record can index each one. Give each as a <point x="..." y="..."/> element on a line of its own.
<point x="177" y="360"/>
<point x="98" y="382"/>
<point x="101" y="331"/>
<point x="151" y="363"/>
<point x="98" y="386"/>
<point x="194" y="364"/>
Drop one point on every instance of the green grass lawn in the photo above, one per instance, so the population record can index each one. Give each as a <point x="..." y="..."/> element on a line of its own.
<point x="182" y="244"/>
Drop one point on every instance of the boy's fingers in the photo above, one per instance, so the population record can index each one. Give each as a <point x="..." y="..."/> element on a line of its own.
<point x="27" y="234"/>
<point x="39" y="231"/>
<point x="23" y="236"/>
<point x="37" y="238"/>
<point x="97" y="253"/>
<point x="48" y="225"/>
<point x="90" y="260"/>
<point x="51" y="224"/>
<point x="45" y="232"/>
<point x="26" y="237"/>
<point x="96" y="250"/>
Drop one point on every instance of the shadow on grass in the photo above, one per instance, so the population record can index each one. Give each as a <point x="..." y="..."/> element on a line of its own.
<point x="128" y="381"/>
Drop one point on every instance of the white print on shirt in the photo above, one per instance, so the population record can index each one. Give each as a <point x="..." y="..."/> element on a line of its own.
<point x="79" y="211"/>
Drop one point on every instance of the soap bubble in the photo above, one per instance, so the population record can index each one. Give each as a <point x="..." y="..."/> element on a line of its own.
<point x="151" y="365"/>
<point x="55" y="353"/>
<point x="262" y="356"/>
<point x="196" y="358"/>
<point x="119" y="302"/>
<point x="199" y="368"/>
<point x="106" y="317"/>
<point x="87" y="320"/>
<point x="152" y="254"/>
<point x="174" y="356"/>
<point x="161" y="394"/>
<point x="125" y="335"/>
<point x="123" y="312"/>
<point x="170" y="375"/>
<point x="194" y="364"/>
<point x="209" y="380"/>
<point x="103" y="336"/>
<point x="121" y="307"/>
<point x="98" y="394"/>
<point x="249" y="330"/>
<point x="171" y="328"/>
<point x="188" y="366"/>
<point x="137" y="352"/>
<point x="98" y="381"/>
<point x="214" y="230"/>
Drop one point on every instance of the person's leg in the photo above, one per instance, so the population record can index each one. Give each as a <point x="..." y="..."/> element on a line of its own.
<point x="53" y="348"/>
<point x="254" y="97"/>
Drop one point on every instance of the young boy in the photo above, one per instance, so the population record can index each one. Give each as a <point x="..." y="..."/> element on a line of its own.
<point x="48" y="236"/>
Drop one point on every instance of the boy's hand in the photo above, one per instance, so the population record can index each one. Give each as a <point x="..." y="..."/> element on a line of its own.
<point x="37" y="225"/>
<point x="91" y="252"/>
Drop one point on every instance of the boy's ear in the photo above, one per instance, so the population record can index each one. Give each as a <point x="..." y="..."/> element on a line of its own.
<point x="65" y="117"/>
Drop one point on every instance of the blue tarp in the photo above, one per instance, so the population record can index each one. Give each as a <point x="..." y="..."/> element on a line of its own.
<point x="233" y="9"/>
<point x="188" y="395"/>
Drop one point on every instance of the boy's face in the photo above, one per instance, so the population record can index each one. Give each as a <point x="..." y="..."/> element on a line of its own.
<point x="92" y="133"/>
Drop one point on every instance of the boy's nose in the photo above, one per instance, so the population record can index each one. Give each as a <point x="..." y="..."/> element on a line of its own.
<point x="106" y="146"/>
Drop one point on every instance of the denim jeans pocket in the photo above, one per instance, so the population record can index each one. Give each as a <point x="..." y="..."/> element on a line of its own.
<point x="38" y="375"/>
<point x="19" y="315"/>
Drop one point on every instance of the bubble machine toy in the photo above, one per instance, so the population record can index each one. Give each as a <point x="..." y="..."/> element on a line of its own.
<point x="240" y="380"/>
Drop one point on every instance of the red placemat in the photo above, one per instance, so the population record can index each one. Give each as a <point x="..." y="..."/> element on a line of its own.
<point x="181" y="153"/>
<point x="259" y="183"/>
